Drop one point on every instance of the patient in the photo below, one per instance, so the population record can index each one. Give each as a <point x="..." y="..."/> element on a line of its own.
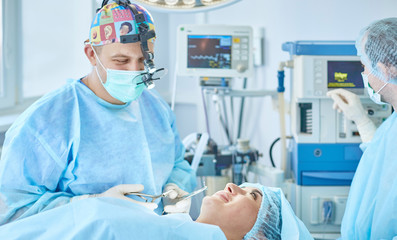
<point x="250" y="211"/>
<point x="236" y="210"/>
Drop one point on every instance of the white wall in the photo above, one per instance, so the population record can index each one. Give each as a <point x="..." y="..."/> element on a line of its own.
<point x="53" y="33"/>
<point x="283" y="20"/>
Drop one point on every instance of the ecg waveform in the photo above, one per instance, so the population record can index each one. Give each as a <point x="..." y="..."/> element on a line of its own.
<point x="205" y="57"/>
<point x="216" y="60"/>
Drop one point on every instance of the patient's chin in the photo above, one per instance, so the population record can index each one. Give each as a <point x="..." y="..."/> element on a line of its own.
<point x="208" y="203"/>
<point x="211" y="207"/>
<point x="212" y="201"/>
<point x="211" y="211"/>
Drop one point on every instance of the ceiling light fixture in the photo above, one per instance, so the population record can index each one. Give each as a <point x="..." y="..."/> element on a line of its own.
<point x="184" y="5"/>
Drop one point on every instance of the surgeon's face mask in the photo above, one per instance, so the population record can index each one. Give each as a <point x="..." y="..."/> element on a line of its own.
<point x="375" y="96"/>
<point x="125" y="86"/>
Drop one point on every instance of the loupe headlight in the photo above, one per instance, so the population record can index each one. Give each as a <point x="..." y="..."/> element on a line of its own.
<point x="152" y="75"/>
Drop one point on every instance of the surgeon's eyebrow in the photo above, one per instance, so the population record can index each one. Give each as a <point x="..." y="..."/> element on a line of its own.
<point x="120" y="56"/>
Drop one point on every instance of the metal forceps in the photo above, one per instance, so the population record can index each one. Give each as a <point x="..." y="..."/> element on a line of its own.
<point x="153" y="197"/>
<point x="194" y="193"/>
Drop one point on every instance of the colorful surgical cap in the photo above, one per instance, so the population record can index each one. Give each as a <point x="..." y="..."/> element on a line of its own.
<point x="377" y="47"/>
<point x="268" y="223"/>
<point x="113" y="21"/>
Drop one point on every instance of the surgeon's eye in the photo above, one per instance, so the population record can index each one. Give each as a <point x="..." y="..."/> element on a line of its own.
<point x="120" y="61"/>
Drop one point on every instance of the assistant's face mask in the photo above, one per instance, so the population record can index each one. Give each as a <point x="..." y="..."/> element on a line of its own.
<point x="375" y="96"/>
<point x="125" y="86"/>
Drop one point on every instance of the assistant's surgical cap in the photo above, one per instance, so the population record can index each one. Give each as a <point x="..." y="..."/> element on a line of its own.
<point x="114" y="20"/>
<point x="377" y="47"/>
<point x="268" y="222"/>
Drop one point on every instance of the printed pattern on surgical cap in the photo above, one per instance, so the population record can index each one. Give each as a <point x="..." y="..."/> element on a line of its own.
<point x="113" y="21"/>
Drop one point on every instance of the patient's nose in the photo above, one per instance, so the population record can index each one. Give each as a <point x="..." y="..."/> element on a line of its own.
<point x="233" y="188"/>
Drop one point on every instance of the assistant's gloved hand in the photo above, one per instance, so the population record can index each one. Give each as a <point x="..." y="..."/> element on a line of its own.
<point x="350" y="104"/>
<point x="120" y="191"/>
<point x="171" y="203"/>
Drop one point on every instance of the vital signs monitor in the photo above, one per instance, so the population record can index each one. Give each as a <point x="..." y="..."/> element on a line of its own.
<point x="214" y="51"/>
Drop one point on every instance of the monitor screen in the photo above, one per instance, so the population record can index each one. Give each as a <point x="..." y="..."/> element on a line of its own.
<point x="345" y="74"/>
<point x="217" y="51"/>
<point x="209" y="51"/>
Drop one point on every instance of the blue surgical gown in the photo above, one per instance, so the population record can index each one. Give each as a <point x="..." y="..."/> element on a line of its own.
<point x="71" y="142"/>
<point x="371" y="210"/>
<point x="108" y="218"/>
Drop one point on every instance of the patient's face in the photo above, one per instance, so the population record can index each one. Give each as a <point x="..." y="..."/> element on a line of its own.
<point x="232" y="209"/>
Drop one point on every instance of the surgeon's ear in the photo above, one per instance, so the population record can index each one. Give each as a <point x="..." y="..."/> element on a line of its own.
<point x="90" y="54"/>
<point x="393" y="72"/>
<point x="389" y="72"/>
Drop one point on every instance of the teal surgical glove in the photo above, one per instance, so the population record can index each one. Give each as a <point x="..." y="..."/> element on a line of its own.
<point x="350" y="104"/>
<point x="172" y="203"/>
<point x="120" y="191"/>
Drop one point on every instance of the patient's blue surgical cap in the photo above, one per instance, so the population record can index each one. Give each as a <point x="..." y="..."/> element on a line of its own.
<point x="377" y="47"/>
<point x="268" y="222"/>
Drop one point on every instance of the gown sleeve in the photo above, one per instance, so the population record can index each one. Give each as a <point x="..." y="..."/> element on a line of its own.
<point x="29" y="175"/>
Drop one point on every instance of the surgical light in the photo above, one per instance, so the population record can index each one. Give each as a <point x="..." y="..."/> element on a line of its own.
<point x="184" y="5"/>
<point x="189" y="2"/>
<point x="171" y="2"/>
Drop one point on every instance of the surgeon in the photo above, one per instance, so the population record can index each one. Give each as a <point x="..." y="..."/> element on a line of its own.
<point x="101" y="135"/>
<point x="371" y="210"/>
<point x="249" y="212"/>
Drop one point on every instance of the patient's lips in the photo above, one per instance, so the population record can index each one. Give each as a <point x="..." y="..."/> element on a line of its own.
<point x="223" y="195"/>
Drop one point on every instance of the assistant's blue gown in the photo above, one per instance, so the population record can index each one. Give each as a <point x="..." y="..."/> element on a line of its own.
<point x="371" y="210"/>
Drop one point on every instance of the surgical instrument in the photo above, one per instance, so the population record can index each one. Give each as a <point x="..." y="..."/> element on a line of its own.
<point x="153" y="197"/>
<point x="194" y="193"/>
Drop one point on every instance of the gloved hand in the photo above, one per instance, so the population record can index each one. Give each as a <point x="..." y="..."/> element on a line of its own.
<point x="120" y="191"/>
<point x="171" y="202"/>
<point x="350" y="104"/>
